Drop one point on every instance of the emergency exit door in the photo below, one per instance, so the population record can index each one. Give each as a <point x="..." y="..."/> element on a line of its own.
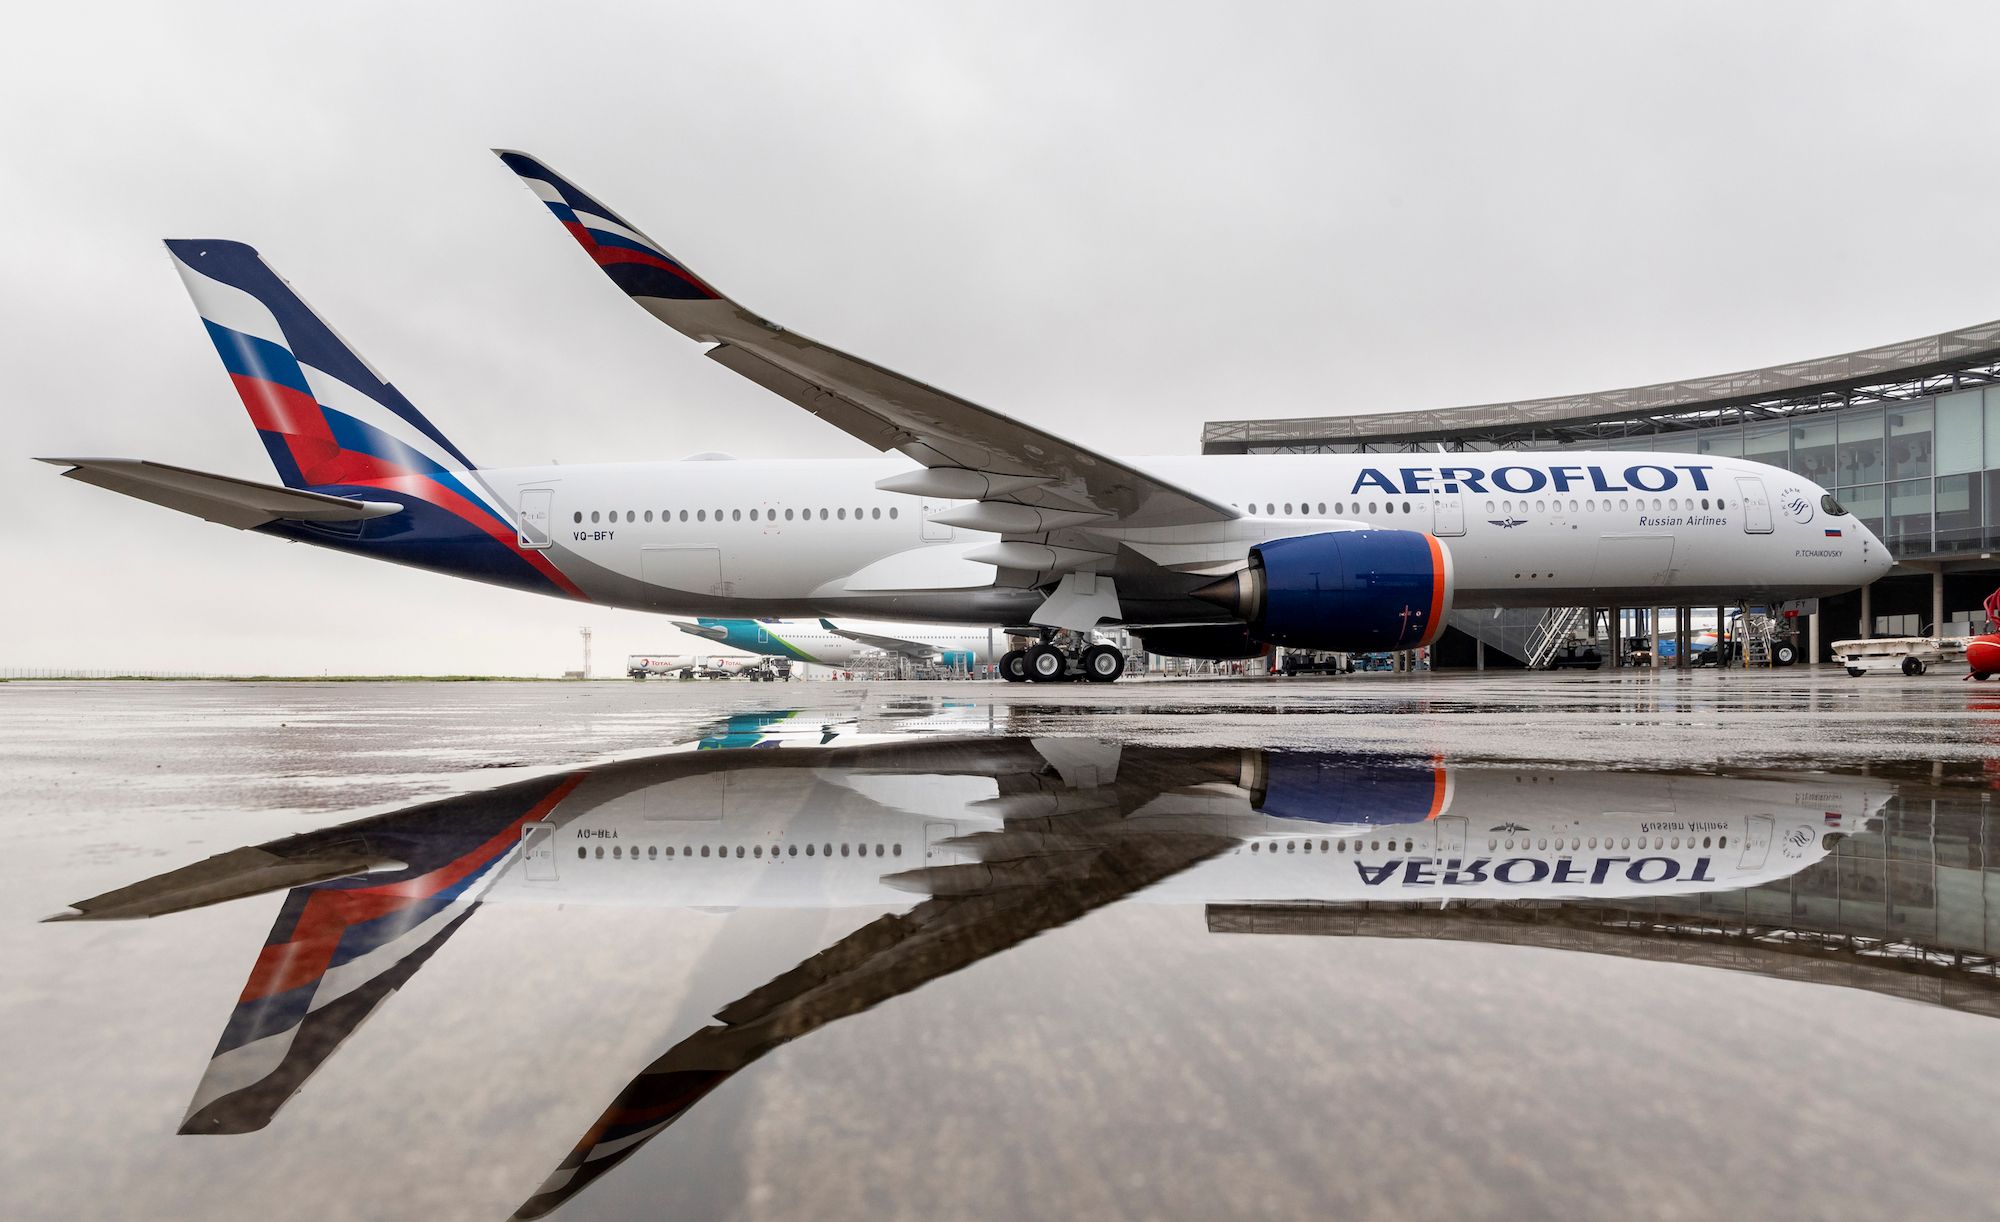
<point x="934" y="532"/>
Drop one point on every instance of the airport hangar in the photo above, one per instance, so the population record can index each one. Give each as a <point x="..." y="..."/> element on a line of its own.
<point x="1906" y="435"/>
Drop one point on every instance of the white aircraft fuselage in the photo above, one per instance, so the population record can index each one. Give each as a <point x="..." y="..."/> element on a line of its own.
<point x="815" y="537"/>
<point x="807" y="839"/>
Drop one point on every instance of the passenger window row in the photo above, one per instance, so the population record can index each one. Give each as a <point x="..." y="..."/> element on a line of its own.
<point x="735" y="515"/>
<point x="653" y="852"/>
<point x="1330" y="846"/>
<point x="1318" y="509"/>
<point x="1625" y="505"/>
<point x="1575" y="842"/>
<point x="1342" y="509"/>
<point x="1624" y="842"/>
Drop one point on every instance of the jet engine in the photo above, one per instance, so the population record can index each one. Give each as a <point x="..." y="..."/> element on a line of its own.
<point x="1342" y="788"/>
<point x="1344" y="591"/>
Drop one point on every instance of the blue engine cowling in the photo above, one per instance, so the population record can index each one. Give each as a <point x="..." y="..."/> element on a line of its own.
<point x="1340" y="788"/>
<point x="1346" y="591"/>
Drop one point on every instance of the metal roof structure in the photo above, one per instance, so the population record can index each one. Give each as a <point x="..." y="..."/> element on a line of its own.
<point x="1912" y="369"/>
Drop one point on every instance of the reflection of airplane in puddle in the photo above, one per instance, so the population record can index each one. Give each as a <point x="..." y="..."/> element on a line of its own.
<point x="966" y="846"/>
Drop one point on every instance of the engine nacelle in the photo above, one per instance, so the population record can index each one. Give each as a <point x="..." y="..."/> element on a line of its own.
<point x="1345" y="591"/>
<point x="1341" y="788"/>
<point x="1210" y="643"/>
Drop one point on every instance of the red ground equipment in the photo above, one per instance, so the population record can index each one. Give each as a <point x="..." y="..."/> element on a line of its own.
<point x="1982" y="653"/>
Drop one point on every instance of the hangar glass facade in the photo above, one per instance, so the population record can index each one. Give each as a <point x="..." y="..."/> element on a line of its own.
<point x="1924" y="473"/>
<point x="1906" y="435"/>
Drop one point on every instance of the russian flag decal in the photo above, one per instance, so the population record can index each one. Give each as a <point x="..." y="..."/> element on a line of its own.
<point x="1832" y="533"/>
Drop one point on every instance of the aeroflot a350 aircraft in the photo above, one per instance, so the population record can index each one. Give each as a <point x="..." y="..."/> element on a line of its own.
<point x="974" y="518"/>
<point x="964" y="846"/>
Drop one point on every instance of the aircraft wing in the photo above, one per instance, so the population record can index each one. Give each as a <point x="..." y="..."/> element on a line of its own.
<point x="241" y="503"/>
<point x="887" y="644"/>
<point x="971" y="452"/>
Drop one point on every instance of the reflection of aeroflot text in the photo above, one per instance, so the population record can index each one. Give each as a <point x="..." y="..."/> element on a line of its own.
<point x="965" y="846"/>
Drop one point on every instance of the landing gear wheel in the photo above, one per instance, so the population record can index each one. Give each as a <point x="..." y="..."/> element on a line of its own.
<point x="1913" y="667"/>
<point x="1014" y="666"/>
<point x="1856" y="671"/>
<point x="1103" y="663"/>
<point x="1046" y="664"/>
<point x="1784" y="655"/>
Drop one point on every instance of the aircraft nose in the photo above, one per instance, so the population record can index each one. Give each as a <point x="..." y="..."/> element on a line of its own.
<point x="1875" y="556"/>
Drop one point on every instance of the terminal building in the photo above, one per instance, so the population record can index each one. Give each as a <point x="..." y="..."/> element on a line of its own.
<point x="1906" y="435"/>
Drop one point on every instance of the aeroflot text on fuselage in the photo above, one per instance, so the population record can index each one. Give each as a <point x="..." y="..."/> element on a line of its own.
<point x="1520" y="871"/>
<point x="1426" y="481"/>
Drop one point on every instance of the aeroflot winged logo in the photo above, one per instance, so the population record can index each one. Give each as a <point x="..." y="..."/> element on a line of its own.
<point x="1640" y="477"/>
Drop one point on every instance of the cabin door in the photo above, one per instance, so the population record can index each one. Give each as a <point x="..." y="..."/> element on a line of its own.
<point x="532" y="519"/>
<point x="1757" y="845"/>
<point x="1448" y="834"/>
<point x="538" y="852"/>
<point x="1756" y="505"/>
<point x="1449" y="516"/>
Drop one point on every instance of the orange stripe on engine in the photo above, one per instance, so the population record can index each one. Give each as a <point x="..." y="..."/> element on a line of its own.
<point x="1441" y="787"/>
<point x="1434" y="625"/>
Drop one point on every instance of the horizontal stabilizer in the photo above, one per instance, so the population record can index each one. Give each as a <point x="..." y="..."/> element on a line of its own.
<point x="241" y="503"/>
<point x="226" y="876"/>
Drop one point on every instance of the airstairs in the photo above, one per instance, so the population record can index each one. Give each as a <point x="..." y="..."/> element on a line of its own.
<point x="1533" y="636"/>
<point x="1552" y="634"/>
<point x="1756" y="630"/>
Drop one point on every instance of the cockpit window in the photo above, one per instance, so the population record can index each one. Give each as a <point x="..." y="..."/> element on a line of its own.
<point x="1831" y="507"/>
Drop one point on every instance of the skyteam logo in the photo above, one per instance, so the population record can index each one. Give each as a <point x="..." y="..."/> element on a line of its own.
<point x="1797" y="504"/>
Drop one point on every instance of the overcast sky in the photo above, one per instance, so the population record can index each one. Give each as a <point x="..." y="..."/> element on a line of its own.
<point x="1113" y="221"/>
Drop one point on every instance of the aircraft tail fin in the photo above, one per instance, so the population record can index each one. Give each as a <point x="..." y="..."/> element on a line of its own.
<point x="325" y="416"/>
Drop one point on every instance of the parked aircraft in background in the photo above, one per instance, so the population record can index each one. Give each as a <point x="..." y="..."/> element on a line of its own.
<point x="844" y="648"/>
<point x="965" y="845"/>
<point x="975" y="518"/>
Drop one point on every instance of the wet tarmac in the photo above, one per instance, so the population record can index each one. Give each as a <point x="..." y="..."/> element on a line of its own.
<point x="1381" y="947"/>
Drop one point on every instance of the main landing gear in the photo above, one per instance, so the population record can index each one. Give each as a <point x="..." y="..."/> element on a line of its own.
<point x="1052" y="661"/>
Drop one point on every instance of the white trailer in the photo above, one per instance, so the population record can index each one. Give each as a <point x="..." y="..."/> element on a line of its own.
<point x="1912" y="655"/>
